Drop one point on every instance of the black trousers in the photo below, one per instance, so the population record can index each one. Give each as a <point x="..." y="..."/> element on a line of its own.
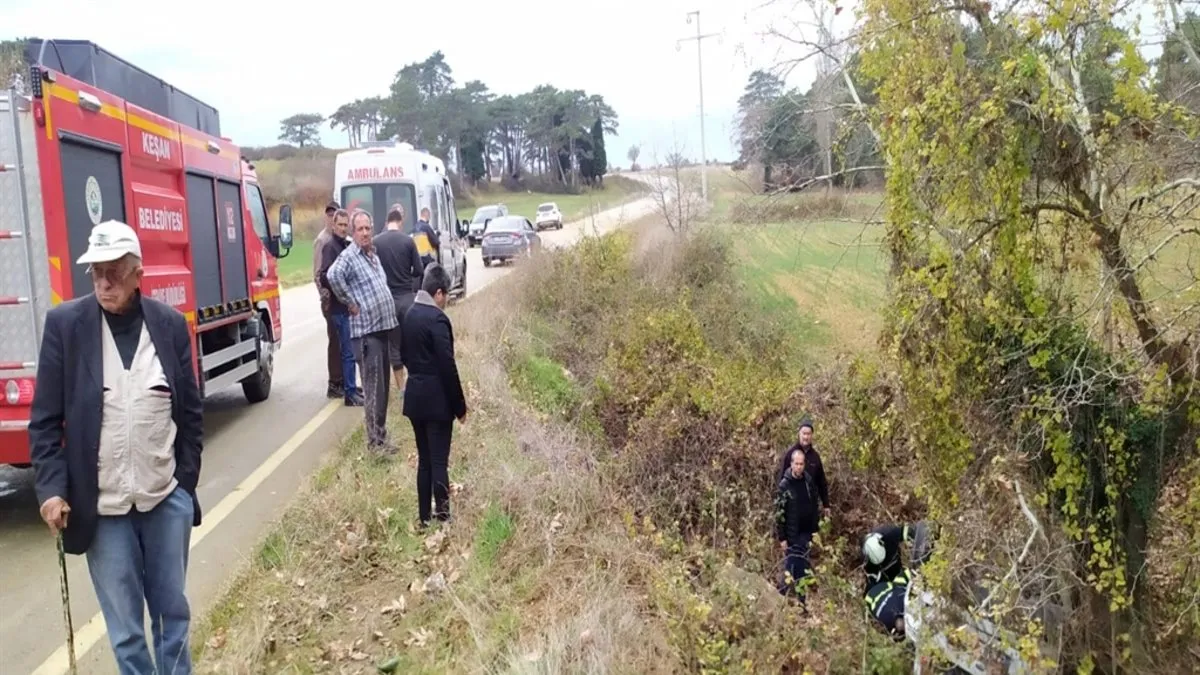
<point x="433" y="467"/>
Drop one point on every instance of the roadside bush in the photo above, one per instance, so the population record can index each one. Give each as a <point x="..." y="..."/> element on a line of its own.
<point x="697" y="391"/>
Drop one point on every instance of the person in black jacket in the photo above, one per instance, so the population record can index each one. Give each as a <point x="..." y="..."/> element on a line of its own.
<point x="796" y="519"/>
<point x="434" y="396"/>
<point x="404" y="270"/>
<point x="812" y="462"/>
<point x="339" y="314"/>
<point x="885" y="601"/>
<point x="881" y="549"/>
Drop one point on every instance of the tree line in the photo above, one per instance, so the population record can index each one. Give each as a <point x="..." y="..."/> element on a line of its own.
<point x="558" y="133"/>
<point x="796" y="138"/>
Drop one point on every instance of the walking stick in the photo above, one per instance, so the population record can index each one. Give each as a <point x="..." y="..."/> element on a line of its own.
<point x="66" y="603"/>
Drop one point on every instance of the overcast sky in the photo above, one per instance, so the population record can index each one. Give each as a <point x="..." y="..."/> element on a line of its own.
<point x="258" y="61"/>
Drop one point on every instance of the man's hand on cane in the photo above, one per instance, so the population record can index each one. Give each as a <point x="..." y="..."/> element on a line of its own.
<point x="55" y="511"/>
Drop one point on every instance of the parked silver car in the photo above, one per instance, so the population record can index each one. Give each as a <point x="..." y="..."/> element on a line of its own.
<point x="509" y="237"/>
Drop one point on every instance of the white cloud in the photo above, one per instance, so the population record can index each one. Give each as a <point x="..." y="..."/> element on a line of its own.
<point x="258" y="61"/>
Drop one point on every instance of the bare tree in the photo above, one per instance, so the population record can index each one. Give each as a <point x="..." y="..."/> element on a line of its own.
<point x="676" y="191"/>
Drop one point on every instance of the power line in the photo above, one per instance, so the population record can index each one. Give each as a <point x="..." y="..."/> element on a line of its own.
<point x="699" y="38"/>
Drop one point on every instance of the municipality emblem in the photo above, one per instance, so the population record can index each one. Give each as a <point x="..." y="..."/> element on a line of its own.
<point x="95" y="202"/>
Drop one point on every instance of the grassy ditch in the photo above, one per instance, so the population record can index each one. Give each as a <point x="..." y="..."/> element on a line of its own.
<point x="630" y="399"/>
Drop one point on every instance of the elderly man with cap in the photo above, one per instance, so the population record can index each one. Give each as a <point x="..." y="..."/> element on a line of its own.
<point x="333" y="352"/>
<point x="118" y="479"/>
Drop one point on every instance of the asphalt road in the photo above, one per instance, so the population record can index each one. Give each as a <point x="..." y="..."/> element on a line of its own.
<point x="255" y="457"/>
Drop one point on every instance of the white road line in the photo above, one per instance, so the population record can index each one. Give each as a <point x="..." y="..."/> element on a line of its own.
<point x="93" y="631"/>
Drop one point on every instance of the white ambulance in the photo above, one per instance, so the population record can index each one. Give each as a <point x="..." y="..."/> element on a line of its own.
<point x="382" y="173"/>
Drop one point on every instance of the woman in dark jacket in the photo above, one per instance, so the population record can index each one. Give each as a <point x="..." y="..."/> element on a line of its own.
<point x="796" y="518"/>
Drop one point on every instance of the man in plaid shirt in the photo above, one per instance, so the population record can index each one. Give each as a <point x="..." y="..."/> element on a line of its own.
<point x="358" y="280"/>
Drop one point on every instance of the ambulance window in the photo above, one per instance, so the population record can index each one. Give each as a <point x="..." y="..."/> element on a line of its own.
<point x="258" y="211"/>
<point x="359" y="197"/>
<point x="405" y="194"/>
<point x="436" y="208"/>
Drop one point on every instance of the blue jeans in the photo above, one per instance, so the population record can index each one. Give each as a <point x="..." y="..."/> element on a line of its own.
<point x="139" y="560"/>
<point x="342" y="323"/>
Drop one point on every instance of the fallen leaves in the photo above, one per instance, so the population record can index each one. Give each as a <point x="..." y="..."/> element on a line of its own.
<point x="352" y="541"/>
<point x="418" y="638"/>
<point x="435" y="541"/>
<point x="435" y="583"/>
<point x="397" y="606"/>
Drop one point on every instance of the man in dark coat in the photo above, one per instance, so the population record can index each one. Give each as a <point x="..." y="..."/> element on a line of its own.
<point x="433" y="398"/>
<point x="812" y="462"/>
<point x="115" y="433"/>
<point x="404" y="270"/>
<point x="796" y="519"/>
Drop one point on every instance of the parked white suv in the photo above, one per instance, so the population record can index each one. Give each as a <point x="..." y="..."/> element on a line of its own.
<point x="548" y="215"/>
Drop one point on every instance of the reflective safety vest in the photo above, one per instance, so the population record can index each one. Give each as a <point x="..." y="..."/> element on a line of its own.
<point x="878" y="595"/>
<point x="424" y="248"/>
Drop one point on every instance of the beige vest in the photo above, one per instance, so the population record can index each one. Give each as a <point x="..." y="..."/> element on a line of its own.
<point x="137" y="433"/>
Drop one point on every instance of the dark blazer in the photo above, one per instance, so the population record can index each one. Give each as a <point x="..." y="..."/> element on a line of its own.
<point x="433" y="392"/>
<point x="70" y="385"/>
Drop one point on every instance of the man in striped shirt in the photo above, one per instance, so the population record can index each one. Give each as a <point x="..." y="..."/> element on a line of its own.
<point x="358" y="280"/>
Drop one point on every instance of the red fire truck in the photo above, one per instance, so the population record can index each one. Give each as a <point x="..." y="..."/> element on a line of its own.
<point x="87" y="137"/>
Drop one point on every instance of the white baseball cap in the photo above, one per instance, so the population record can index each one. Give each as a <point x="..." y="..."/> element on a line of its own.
<point x="110" y="240"/>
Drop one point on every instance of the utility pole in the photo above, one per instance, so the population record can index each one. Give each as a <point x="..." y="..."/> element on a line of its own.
<point x="700" y="68"/>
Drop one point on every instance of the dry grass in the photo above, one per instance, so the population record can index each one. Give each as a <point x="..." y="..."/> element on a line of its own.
<point x="541" y="575"/>
<point x="550" y="565"/>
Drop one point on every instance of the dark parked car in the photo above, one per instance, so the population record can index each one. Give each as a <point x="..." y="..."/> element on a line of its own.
<point x="479" y="222"/>
<point x="509" y="237"/>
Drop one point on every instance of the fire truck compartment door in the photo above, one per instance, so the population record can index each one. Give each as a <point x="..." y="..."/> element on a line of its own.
<point x="202" y="221"/>
<point x="94" y="193"/>
<point x="234" y="280"/>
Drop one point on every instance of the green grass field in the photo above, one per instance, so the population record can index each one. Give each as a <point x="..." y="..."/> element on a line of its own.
<point x="296" y="268"/>
<point x="827" y="277"/>
<point x="811" y="258"/>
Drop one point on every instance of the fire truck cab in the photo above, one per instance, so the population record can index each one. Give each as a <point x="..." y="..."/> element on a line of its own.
<point x="87" y="137"/>
<point x="382" y="173"/>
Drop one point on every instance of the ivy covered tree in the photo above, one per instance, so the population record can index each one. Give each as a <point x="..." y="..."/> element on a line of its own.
<point x="1044" y="310"/>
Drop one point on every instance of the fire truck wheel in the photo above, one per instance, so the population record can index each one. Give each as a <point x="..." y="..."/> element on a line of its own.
<point x="257" y="387"/>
